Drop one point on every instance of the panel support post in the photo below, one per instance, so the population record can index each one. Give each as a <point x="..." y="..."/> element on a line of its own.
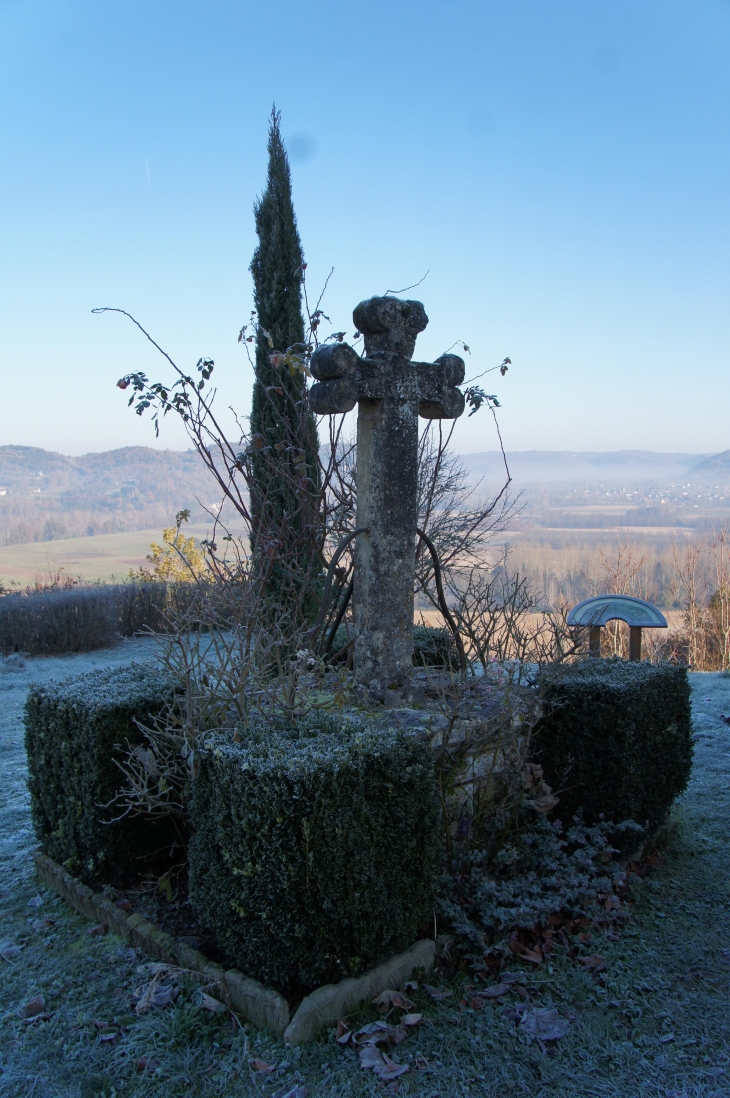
<point x="634" y="642"/>
<point x="594" y="641"/>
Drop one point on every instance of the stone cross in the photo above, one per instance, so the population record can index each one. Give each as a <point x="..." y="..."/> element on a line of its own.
<point x="391" y="391"/>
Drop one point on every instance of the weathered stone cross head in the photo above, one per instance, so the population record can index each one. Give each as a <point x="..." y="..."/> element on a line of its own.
<point x="391" y="391"/>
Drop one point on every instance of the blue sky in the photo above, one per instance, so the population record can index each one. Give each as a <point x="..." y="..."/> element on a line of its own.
<point x="560" y="169"/>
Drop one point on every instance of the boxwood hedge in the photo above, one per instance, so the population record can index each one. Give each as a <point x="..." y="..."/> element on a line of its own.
<point x="316" y="851"/>
<point x="74" y="731"/>
<point x="615" y="739"/>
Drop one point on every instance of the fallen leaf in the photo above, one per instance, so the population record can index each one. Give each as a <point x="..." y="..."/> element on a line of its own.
<point x="213" y="1005"/>
<point x="262" y="1067"/>
<point x="437" y="994"/>
<point x="296" y="1090"/>
<point x="99" y="1024"/>
<point x="343" y="1034"/>
<point x="109" y="1038"/>
<point x="33" y="1007"/>
<point x="41" y="924"/>
<point x="544" y="1024"/>
<point x="37" y="901"/>
<point x="410" y="985"/>
<point x="381" y="1064"/>
<point x="146" y="1063"/>
<point x="495" y="991"/>
<point x="476" y="1003"/>
<point x="593" y="964"/>
<point x="388" y="999"/>
<point x="154" y="995"/>
<point x="97" y="931"/>
<point x="534" y="956"/>
<point x="379" y="1033"/>
<point x="410" y="1019"/>
<point x="155" y="968"/>
<point x="124" y="905"/>
<point x="9" y="951"/>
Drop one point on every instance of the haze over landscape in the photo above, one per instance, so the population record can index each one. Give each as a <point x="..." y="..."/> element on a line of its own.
<point x="95" y="515"/>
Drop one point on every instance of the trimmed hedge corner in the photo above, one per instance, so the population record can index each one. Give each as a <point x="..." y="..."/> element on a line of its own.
<point x="616" y="738"/>
<point x="316" y="852"/>
<point x="74" y="729"/>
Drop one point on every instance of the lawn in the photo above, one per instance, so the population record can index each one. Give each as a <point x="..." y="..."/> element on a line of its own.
<point x="654" y="1023"/>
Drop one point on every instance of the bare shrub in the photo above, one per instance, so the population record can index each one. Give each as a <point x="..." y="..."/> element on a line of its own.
<point x="240" y="660"/>
<point x="703" y="590"/>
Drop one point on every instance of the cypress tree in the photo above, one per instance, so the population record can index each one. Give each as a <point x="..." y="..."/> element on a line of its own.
<point x="285" y="478"/>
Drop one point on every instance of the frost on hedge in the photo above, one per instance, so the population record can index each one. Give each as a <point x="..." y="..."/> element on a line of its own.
<point x="316" y="851"/>
<point x="74" y="730"/>
<point x="615" y="740"/>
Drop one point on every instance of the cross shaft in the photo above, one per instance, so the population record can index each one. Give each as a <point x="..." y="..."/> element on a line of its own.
<point x="391" y="391"/>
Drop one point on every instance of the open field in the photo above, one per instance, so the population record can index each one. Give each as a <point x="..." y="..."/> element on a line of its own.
<point x="655" y="1024"/>
<point x="104" y="557"/>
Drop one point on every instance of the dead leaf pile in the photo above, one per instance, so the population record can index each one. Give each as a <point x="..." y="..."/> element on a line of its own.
<point x="378" y="1033"/>
<point x="535" y="946"/>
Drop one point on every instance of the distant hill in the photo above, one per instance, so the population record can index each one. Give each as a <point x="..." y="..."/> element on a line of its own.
<point x="541" y="466"/>
<point x="718" y="463"/>
<point x="46" y="496"/>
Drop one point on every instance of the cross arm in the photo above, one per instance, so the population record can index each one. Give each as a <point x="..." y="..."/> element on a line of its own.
<point x="336" y="366"/>
<point x="439" y="396"/>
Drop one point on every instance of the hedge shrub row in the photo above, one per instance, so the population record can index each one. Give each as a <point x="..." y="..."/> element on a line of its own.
<point x="316" y="852"/>
<point x="616" y="738"/>
<point x="74" y="731"/>
<point x="86" y="617"/>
